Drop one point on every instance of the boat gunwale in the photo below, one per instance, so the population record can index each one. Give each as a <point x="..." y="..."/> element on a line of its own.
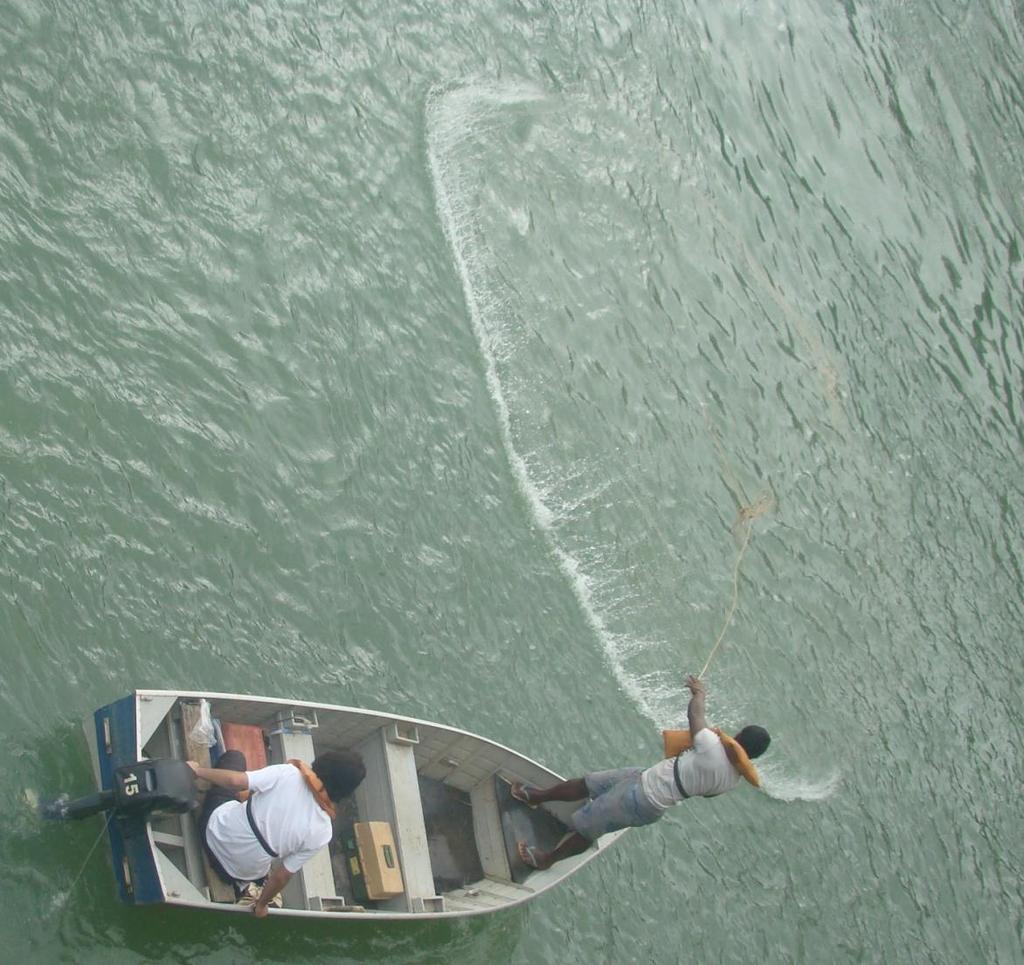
<point x="210" y="695"/>
<point x="368" y="916"/>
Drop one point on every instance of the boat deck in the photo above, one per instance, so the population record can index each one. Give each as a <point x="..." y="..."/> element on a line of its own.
<point x="448" y="815"/>
<point x="520" y="822"/>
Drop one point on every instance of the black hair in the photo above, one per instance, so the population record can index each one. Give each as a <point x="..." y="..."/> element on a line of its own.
<point x="754" y="740"/>
<point x="341" y="771"/>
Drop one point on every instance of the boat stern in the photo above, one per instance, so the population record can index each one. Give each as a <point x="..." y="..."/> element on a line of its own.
<point x="112" y="733"/>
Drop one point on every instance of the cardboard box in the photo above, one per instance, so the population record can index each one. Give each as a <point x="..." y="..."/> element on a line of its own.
<point x="378" y="859"/>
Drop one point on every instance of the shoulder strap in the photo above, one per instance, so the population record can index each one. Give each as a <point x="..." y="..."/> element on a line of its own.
<point x="675" y="775"/>
<point x="255" y="830"/>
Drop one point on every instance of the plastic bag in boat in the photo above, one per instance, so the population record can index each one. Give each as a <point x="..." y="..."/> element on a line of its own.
<point x="203" y="732"/>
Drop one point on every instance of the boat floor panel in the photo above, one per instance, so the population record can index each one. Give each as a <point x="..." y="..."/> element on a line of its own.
<point x="520" y="822"/>
<point x="448" y="816"/>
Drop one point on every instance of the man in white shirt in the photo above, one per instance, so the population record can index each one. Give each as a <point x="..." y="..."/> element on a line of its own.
<point x="629" y="797"/>
<point x="287" y="815"/>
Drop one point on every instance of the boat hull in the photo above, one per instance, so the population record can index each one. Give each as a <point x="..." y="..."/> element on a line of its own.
<point x="161" y="862"/>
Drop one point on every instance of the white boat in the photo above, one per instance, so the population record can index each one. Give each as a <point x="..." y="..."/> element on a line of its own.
<point x="434" y="809"/>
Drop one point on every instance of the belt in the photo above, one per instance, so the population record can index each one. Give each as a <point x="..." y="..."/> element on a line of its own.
<point x="255" y="830"/>
<point x="675" y="774"/>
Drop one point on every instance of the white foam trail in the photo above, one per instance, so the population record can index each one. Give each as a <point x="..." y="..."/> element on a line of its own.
<point x="452" y="116"/>
<point x="783" y="787"/>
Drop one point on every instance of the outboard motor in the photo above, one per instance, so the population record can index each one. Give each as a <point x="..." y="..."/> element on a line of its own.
<point x="161" y="786"/>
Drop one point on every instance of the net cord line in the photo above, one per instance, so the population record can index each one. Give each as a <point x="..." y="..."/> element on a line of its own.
<point x="735" y="597"/>
<point x="748" y="512"/>
<point x="81" y="871"/>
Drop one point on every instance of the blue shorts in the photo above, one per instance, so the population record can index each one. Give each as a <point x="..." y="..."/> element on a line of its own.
<point x="617" y="801"/>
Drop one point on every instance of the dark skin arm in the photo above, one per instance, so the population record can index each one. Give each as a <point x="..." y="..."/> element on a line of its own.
<point x="230" y="780"/>
<point x="695" y="709"/>
<point x="695" y="712"/>
<point x="279" y="876"/>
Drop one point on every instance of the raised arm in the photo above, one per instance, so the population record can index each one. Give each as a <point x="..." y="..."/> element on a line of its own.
<point x="231" y="780"/>
<point x="695" y="709"/>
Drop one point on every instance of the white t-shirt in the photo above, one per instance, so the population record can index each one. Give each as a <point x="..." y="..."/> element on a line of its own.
<point x="705" y="770"/>
<point x="288" y="816"/>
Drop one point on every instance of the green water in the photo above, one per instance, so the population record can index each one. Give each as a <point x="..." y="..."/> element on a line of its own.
<point x="421" y="356"/>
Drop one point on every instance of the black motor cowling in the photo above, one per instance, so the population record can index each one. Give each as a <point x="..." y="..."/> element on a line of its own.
<point x="161" y="786"/>
<point x="164" y="785"/>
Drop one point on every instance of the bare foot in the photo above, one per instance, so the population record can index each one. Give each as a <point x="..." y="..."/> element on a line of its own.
<point x="533" y="857"/>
